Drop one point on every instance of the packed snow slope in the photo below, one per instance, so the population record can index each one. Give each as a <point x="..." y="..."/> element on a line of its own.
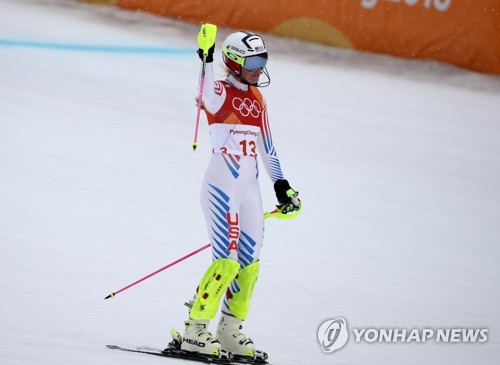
<point x="397" y="164"/>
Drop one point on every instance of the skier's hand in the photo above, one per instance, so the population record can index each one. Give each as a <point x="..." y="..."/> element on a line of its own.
<point x="287" y="197"/>
<point x="210" y="55"/>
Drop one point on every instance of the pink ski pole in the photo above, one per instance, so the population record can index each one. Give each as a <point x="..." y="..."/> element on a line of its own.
<point x="159" y="270"/>
<point x="275" y="214"/>
<point x="206" y="40"/>
<point x="202" y="83"/>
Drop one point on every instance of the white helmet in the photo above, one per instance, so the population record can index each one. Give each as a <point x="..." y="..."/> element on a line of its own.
<point x="245" y="50"/>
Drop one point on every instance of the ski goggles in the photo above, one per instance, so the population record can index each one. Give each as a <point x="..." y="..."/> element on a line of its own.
<point x="250" y="63"/>
<point x="253" y="63"/>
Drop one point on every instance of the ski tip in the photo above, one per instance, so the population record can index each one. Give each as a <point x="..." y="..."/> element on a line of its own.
<point x="112" y="295"/>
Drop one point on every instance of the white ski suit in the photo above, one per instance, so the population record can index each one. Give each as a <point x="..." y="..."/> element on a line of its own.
<point x="230" y="195"/>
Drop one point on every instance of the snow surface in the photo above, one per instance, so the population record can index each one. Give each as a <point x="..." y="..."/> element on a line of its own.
<point x="397" y="163"/>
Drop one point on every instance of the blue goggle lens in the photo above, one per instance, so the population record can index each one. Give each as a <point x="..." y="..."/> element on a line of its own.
<point x="253" y="63"/>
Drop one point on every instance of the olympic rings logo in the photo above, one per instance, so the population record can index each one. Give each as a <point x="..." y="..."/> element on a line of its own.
<point x="247" y="107"/>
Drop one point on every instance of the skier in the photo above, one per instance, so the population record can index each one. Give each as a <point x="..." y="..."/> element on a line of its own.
<point x="230" y="196"/>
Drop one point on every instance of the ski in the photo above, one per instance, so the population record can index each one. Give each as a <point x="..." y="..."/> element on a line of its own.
<point x="173" y="350"/>
<point x="180" y="354"/>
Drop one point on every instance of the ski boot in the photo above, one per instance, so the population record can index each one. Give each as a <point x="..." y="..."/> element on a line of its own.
<point x="197" y="338"/>
<point x="231" y="339"/>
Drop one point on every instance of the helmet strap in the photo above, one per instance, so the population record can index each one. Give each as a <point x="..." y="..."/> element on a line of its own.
<point x="259" y="84"/>
<point x="267" y="82"/>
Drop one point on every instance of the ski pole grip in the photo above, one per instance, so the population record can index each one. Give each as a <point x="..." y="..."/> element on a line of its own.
<point x="206" y="36"/>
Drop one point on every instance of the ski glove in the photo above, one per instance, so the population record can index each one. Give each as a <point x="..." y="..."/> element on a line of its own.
<point x="287" y="197"/>
<point x="210" y="55"/>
